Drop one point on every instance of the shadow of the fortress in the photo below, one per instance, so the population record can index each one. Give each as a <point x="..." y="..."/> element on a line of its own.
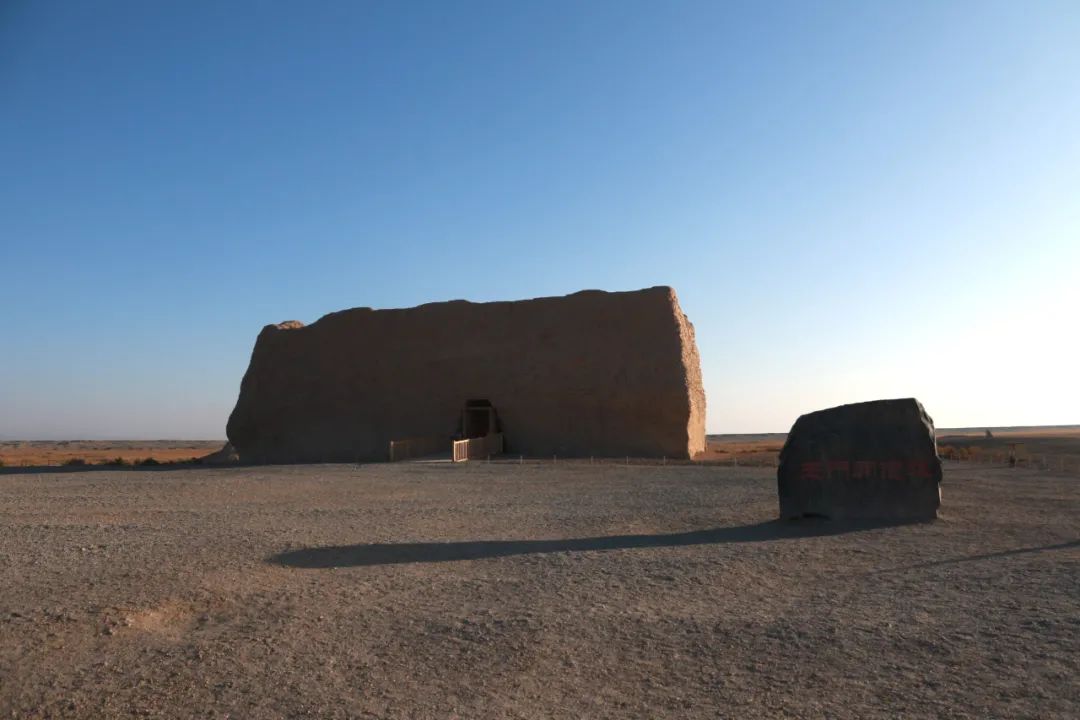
<point x="430" y="552"/>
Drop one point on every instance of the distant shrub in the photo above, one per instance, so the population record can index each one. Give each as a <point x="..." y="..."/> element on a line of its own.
<point x="147" y="461"/>
<point x="75" y="461"/>
<point x="950" y="452"/>
<point x="1" y="462"/>
<point x="115" y="462"/>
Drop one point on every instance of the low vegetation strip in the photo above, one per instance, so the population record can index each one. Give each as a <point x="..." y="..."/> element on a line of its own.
<point x="40" y="453"/>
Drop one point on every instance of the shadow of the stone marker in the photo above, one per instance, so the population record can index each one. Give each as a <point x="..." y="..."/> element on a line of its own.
<point x="430" y="552"/>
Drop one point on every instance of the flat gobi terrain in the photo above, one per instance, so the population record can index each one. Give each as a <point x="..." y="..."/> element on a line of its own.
<point x="27" y="453"/>
<point x="533" y="591"/>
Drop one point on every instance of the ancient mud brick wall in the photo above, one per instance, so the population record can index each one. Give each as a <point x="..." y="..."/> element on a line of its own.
<point x="593" y="373"/>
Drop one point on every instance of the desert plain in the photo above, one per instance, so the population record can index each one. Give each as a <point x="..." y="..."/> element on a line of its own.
<point x="35" y="453"/>
<point x="527" y="589"/>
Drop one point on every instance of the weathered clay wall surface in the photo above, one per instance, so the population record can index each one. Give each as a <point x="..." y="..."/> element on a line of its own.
<point x="593" y="373"/>
<point x="867" y="461"/>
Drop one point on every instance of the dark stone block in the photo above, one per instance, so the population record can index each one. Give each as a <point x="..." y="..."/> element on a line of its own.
<point x="867" y="461"/>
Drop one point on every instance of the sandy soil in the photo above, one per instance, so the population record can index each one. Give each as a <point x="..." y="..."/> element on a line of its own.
<point x="763" y="450"/>
<point x="1057" y="448"/>
<point x="28" y="453"/>
<point x="1046" y="448"/>
<point x="1049" y="445"/>
<point x="506" y="591"/>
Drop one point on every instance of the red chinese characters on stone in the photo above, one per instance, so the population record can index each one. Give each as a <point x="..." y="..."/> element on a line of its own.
<point x="892" y="470"/>
<point x="919" y="469"/>
<point x="840" y="468"/>
<point x="863" y="469"/>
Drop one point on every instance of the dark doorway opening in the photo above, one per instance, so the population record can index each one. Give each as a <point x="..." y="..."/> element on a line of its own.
<point x="479" y="419"/>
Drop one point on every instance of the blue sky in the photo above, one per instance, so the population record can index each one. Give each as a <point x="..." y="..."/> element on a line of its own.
<point x="853" y="200"/>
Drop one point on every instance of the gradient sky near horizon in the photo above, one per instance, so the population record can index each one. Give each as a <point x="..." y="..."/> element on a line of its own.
<point x="853" y="200"/>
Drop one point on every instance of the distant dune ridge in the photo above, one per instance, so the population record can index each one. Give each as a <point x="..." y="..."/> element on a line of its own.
<point x="593" y="373"/>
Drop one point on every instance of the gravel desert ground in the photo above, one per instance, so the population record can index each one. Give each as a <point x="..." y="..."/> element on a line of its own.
<point x="528" y="591"/>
